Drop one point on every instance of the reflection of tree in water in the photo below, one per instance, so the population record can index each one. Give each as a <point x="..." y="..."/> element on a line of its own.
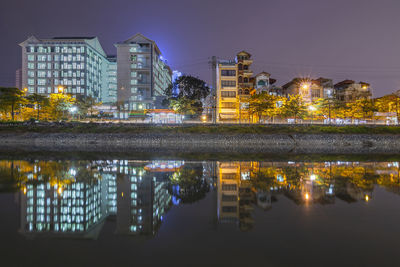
<point x="10" y="177"/>
<point x="188" y="184"/>
<point x="15" y="174"/>
<point x="350" y="182"/>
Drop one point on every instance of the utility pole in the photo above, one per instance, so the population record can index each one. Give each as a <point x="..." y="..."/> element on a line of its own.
<point x="213" y="64"/>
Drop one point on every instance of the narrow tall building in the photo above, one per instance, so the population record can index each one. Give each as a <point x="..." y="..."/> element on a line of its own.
<point x="234" y="87"/>
<point x="142" y="77"/>
<point x="73" y="65"/>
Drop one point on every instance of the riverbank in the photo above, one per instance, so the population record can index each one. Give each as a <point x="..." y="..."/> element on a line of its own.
<point x="203" y="138"/>
<point x="202" y="143"/>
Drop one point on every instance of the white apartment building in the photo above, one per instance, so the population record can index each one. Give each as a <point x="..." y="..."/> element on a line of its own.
<point x="73" y="65"/>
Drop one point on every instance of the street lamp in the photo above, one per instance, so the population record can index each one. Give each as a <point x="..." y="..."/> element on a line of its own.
<point x="73" y="110"/>
<point x="60" y="89"/>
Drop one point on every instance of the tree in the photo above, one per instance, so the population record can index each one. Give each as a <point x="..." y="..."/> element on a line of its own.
<point x="11" y="99"/>
<point x="59" y="103"/>
<point x="86" y="105"/>
<point x="185" y="105"/>
<point x="189" y="87"/>
<point x="363" y="108"/>
<point x="330" y="108"/>
<point x="187" y="93"/>
<point x="262" y="103"/>
<point x="39" y="101"/>
<point x="295" y="107"/>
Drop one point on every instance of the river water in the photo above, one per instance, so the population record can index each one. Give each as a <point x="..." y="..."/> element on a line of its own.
<point x="177" y="211"/>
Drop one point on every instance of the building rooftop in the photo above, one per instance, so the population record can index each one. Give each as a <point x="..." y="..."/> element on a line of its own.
<point x="74" y="38"/>
<point x="343" y="84"/>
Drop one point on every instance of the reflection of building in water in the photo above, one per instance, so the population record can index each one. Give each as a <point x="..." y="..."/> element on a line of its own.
<point x="75" y="209"/>
<point x="108" y="172"/>
<point x="73" y="198"/>
<point x="235" y="195"/>
<point x="242" y="185"/>
<point x="143" y="196"/>
<point x="82" y="197"/>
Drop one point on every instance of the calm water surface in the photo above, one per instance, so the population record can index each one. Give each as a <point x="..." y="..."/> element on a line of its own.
<point x="173" y="212"/>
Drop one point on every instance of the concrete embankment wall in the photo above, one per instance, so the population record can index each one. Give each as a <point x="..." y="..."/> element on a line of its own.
<point x="246" y="143"/>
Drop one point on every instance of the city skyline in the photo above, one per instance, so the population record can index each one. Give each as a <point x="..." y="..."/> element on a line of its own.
<point x="284" y="37"/>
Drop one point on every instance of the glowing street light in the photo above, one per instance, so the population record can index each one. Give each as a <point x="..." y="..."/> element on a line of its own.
<point x="305" y="86"/>
<point x="312" y="109"/>
<point x="60" y="89"/>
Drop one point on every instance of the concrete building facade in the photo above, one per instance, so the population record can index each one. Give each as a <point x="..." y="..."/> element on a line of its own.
<point x="142" y="75"/>
<point x="234" y="88"/>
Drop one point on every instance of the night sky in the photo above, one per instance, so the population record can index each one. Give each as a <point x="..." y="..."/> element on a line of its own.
<point x="340" y="39"/>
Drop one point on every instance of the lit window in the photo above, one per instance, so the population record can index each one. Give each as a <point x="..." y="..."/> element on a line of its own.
<point x="41" y="81"/>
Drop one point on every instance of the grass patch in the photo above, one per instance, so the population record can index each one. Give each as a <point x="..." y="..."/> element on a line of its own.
<point x="77" y="127"/>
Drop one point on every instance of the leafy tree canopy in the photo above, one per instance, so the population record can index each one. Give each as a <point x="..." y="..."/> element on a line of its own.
<point x="189" y="87"/>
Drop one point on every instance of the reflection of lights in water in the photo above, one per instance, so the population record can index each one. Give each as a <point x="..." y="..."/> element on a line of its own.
<point x="122" y="194"/>
<point x="366" y="198"/>
<point x="307" y="196"/>
<point x="313" y="177"/>
<point x="60" y="190"/>
<point x="24" y="190"/>
<point x="72" y="172"/>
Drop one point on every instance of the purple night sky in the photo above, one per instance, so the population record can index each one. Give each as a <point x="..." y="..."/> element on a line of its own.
<point x="338" y="39"/>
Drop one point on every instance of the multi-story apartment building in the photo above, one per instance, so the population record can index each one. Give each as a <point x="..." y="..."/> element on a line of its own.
<point x="73" y="65"/>
<point x="309" y="89"/>
<point x="245" y="84"/>
<point x="234" y="87"/>
<point x="349" y="90"/>
<point x="143" y="75"/>
<point x="226" y="91"/>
